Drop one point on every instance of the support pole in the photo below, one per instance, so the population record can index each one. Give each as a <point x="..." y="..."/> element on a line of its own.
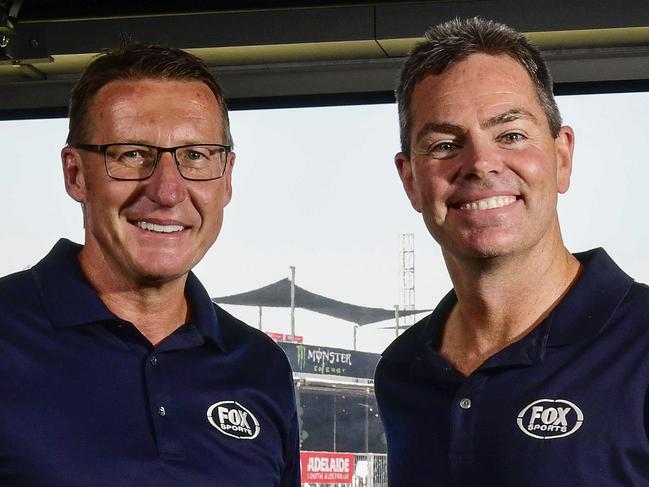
<point x="335" y="408"/>
<point x="292" y="303"/>
<point x="367" y="420"/>
<point x="396" y="320"/>
<point x="355" y="332"/>
<point x="260" y="317"/>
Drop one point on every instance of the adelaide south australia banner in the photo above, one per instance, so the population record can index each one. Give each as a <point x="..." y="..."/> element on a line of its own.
<point x="326" y="467"/>
<point x="313" y="359"/>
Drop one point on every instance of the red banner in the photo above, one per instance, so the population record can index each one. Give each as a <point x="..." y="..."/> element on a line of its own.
<point x="327" y="467"/>
<point x="283" y="337"/>
<point x="278" y="337"/>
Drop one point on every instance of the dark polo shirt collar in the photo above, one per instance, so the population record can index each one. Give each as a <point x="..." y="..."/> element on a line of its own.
<point x="588" y="306"/>
<point x="70" y="300"/>
<point x="576" y="318"/>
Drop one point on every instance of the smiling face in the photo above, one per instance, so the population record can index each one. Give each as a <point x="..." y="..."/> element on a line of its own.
<point x="155" y="230"/>
<point x="484" y="169"/>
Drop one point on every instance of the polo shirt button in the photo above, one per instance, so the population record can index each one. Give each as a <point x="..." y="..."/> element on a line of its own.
<point x="161" y="411"/>
<point x="153" y="361"/>
<point x="465" y="403"/>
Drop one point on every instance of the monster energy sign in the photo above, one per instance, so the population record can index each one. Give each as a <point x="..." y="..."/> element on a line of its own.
<point x="330" y="361"/>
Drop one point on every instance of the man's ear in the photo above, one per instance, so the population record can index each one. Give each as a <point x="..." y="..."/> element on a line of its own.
<point x="227" y="178"/>
<point x="73" y="174"/>
<point x="406" y="173"/>
<point x="564" y="145"/>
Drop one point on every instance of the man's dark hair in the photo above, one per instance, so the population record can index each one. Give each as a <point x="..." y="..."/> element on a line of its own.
<point x="133" y="62"/>
<point x="455" y="40"/>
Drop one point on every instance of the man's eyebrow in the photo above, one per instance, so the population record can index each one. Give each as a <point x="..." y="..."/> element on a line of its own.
<point x="129" y="141"/>
<point x="508" y="116"/>
<point x="440" y="128"/>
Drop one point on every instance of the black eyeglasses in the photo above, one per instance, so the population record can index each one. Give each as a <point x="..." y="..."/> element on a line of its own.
<point x="132" y="162"/>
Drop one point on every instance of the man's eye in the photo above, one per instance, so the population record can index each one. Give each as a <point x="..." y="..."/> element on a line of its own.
<point x="513" y="137"/>
<point x="130" y="154"/>
<point x="442" y="149"/>
<point x="195" y="155"/>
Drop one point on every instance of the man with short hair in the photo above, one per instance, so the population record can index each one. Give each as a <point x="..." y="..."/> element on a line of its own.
<point x="117" y="368"/>
<point x="533" y="370"/>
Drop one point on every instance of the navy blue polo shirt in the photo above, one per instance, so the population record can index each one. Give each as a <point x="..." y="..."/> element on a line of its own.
<point x="86" y="400"/>
<point x="564" y="406"/>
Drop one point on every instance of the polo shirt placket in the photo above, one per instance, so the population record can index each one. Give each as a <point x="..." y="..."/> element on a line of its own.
<point x="162" y="407"/>
<point x="462" y="422"/>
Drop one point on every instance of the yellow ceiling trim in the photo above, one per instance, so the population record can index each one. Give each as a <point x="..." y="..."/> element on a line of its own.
<point x="282" y="53"/>
<point x="591" y="38"/>
<point x="565" y="39"/>
<point x="235" y="55"/>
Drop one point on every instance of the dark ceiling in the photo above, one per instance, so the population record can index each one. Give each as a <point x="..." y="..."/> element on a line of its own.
<point x="282" y="53"/>
<point x="56" y="9"/>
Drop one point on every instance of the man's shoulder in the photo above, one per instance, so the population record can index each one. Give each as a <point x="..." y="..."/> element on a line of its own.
<point x="23" y="316"/>
<point x="608" y="281"/>
<point x="18" y="288"/>
<point x="637" y="299"/>
<point x="406" y="345"/>
<point x="239" y="336"/>
<point x="27" y="286"/>
<point x="639" y="290"/>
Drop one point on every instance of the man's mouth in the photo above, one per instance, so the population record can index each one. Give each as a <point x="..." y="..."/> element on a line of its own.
<point x="155" y="227"/>
<point x="488" y="203"/>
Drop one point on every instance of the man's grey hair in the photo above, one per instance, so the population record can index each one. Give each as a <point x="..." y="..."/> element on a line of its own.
<point x="455" y="40"/>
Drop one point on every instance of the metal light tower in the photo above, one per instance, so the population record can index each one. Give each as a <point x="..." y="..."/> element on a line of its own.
<point x="407" y="281"/>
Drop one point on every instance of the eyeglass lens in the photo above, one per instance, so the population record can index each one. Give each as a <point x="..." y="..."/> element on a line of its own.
<point x="198" y="162"/>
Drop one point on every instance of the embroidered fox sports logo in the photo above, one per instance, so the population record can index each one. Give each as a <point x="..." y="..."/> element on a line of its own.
<point x="548" y="419"/>
<point x="234" y="420"/>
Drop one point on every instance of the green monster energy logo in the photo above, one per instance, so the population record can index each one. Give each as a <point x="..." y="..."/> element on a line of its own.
<point x="301" y="356"/>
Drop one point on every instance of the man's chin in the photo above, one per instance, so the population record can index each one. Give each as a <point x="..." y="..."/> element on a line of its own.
<point x="160" y="269"/>
<point x="158" y="278"/>
<point x="481" y="249"/>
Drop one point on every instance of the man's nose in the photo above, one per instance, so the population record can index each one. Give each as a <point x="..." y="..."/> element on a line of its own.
<point x="482" y="157"/>
<point x="166" y="186"/>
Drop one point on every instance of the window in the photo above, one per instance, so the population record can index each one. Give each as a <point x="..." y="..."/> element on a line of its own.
<point x="316" y="188"/>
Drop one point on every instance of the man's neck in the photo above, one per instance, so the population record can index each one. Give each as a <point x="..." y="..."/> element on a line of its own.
<point x="499" y="302"/>
<point x="156" y="309"/>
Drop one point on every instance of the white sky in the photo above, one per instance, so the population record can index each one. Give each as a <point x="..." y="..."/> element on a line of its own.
<point x="316" y="188"/>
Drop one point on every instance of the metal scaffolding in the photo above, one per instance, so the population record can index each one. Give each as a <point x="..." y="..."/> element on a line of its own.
<point x="407" y="281"/>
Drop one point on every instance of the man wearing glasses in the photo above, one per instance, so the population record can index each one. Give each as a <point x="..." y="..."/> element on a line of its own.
<point x="117" y="369"/>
